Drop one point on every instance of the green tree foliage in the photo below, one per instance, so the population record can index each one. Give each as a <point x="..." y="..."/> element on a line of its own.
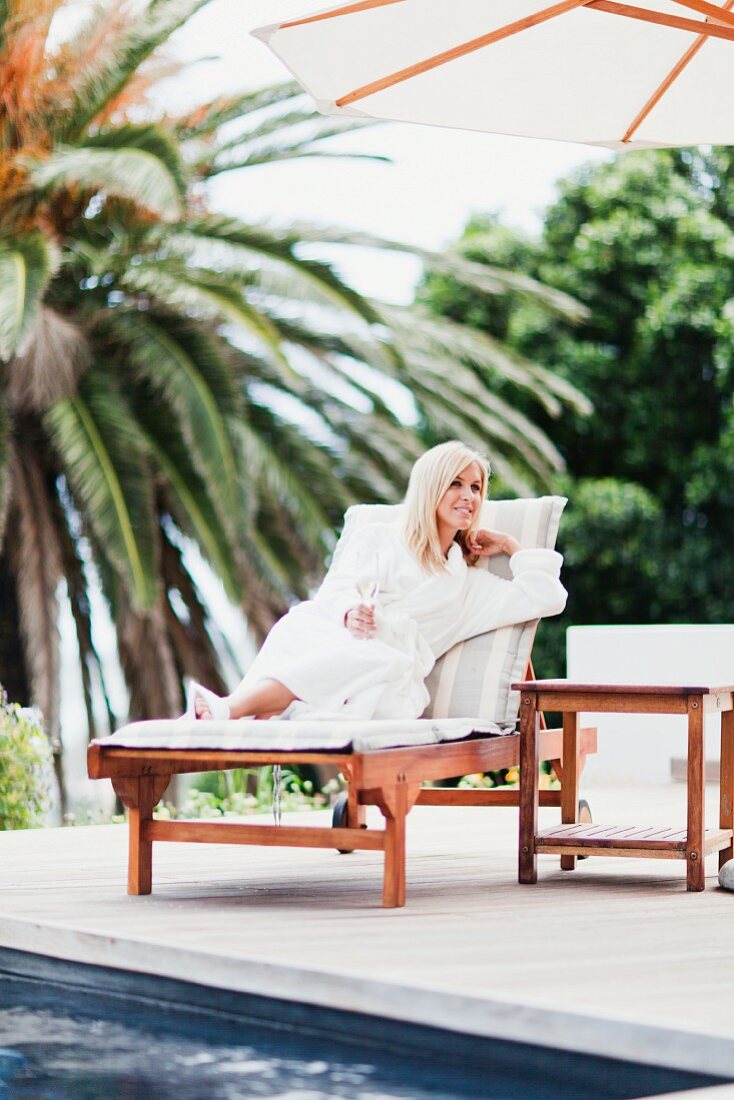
<point x="646" y="243"/>
<point x="611" y="538"/>
<point x="170" y="376"/>
<point x="26" y="770"/>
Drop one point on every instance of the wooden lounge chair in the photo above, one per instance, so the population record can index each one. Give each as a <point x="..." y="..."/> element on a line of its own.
<point x="390" y="778"/>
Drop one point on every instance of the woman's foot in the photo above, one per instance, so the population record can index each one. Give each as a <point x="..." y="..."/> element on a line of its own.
<point x="205" y="704"/>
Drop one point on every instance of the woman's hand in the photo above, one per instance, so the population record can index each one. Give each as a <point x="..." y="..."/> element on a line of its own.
<point x="360" y="621"/>
<point x="486" y="544"/>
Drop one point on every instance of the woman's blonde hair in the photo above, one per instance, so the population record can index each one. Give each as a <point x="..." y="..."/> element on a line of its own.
<point x="430" y="477"/>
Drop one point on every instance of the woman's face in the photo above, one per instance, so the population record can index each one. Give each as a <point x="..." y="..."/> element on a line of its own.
<point x="462" y="500"/>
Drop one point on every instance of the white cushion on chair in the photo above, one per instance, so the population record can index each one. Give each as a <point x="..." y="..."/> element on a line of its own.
<point x="302" y="735"/>
<point x="474" y="677"/>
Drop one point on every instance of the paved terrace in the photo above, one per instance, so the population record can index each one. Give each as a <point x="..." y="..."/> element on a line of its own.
<point x="614" y="958"/>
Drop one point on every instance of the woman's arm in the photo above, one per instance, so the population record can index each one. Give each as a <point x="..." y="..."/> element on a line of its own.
<point x="486" y="544"/>
<point x="534" y="592"/>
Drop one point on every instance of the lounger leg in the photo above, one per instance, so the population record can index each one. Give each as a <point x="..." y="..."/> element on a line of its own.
<point x="695" y="863"/>
<point x="529" y="764"/>
<point x="140" y="795"/>
<point x="726" y="782"/>
<point x="356" y="814"/>
<point x="394" y="803"/>
<point x="570" y="781"/>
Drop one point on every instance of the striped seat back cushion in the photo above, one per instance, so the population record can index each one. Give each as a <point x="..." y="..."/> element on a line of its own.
<point x="473" y="679"/>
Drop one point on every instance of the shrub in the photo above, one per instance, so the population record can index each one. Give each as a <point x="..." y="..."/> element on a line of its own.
<point x="26" y="767"/>
<point x="247" y="791"/>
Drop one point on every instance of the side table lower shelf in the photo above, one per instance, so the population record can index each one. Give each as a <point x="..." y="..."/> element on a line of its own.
<point x="640" y="841"/>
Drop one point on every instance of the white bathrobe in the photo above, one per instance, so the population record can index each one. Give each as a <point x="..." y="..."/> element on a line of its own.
<point x="420" y="615"/>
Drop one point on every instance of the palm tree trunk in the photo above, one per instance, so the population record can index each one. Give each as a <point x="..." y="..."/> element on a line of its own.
<point x="14" y="675"/>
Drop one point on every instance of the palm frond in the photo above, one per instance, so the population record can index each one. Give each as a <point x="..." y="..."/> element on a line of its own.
<point x="415" y="330"/>
<point x="147" y="658"/>
<point x="370" y="347"/>
<point x="134" y="175"/>
<point x="192" y="644"/>
<point x="502" y="427"/>
<point x="120" y="57"/>
<point x="178" y="363"/>
<point x="26" y="265"/>
<point x="106" y="461"/>
<point x="483" y="277"/>
<point x="77" y="591"/>
<point x="314" y="466"/>
<point x="150" y="139"/>
<point x="193" y="504"/>
<point x="268" y="262"/>
<point x="292" y="139"/>
<point x="301" y="121"/>
<point x="277" y="481"/>
<point x="206" y="119"/>
<point x="208" y="296"/>
<point x="4" y="15"/>
<point x="448" y="423"/>
<point x="26" y="82"/>
<point x="553" y="383"/>
<point x="369" y="464"/>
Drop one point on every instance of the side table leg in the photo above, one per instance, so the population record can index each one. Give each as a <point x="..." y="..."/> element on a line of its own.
<point x="529" y="764"/>
<point x="695" y="863"/>
<point x="570" y="781"/>
<point x="726" y="782"/>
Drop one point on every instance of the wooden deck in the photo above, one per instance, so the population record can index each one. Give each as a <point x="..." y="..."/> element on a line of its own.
<point x="615" y="958"/>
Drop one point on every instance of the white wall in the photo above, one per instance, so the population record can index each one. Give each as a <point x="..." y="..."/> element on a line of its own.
<point x="639" y="748"/>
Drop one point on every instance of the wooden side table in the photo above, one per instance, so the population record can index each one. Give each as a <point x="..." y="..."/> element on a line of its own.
<point x="570" y="839"/>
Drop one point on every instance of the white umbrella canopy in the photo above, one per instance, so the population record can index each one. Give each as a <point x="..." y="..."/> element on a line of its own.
<point x="591" y="71"/>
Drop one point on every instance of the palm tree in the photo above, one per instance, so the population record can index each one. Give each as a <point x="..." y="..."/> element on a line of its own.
<point x="170" y="374"/>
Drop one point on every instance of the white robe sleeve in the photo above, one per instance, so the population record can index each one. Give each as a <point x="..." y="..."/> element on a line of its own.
<point x="338" y="593"/>
<point x="491" y="602"/>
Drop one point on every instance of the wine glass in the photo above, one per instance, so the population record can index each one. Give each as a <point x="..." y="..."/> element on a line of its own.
<point x="368" y="582"/>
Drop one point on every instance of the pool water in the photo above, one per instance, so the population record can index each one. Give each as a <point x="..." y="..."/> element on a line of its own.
<point x="71" y="1032"/>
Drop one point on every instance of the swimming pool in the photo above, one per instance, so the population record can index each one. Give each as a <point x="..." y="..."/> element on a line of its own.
<point x="75" y="1032"/>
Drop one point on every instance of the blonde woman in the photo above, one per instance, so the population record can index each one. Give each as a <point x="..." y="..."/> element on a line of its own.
<point x="398" y="596"/>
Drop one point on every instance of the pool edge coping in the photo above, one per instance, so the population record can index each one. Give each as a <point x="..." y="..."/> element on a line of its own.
<point x="491" y="1018"/>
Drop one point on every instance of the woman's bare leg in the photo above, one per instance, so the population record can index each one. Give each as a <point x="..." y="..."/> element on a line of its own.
<point x="266" y="698"/>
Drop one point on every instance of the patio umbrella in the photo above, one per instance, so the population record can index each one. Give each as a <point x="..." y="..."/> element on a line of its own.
<point x="591" y="71"/>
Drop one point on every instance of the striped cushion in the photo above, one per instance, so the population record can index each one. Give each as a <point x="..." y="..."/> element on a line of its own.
<point x="474" y="677"/>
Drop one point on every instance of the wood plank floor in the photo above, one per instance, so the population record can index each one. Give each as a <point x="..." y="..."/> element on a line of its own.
<point x="615" y="957"/>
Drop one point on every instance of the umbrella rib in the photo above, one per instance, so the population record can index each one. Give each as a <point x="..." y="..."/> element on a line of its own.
<point x="670" y="79"/>
<point x="348" y="9"/>
<point x="693" y="25"/>
<point x="713" y="11"/>
<point x="460" y="51"/>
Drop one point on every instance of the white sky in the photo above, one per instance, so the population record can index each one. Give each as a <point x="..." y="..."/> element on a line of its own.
<point x="438" y="178"/>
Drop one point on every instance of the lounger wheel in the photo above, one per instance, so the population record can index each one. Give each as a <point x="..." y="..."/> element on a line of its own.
<point x="584" y="817"/>
<point x="340" y="819"/>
